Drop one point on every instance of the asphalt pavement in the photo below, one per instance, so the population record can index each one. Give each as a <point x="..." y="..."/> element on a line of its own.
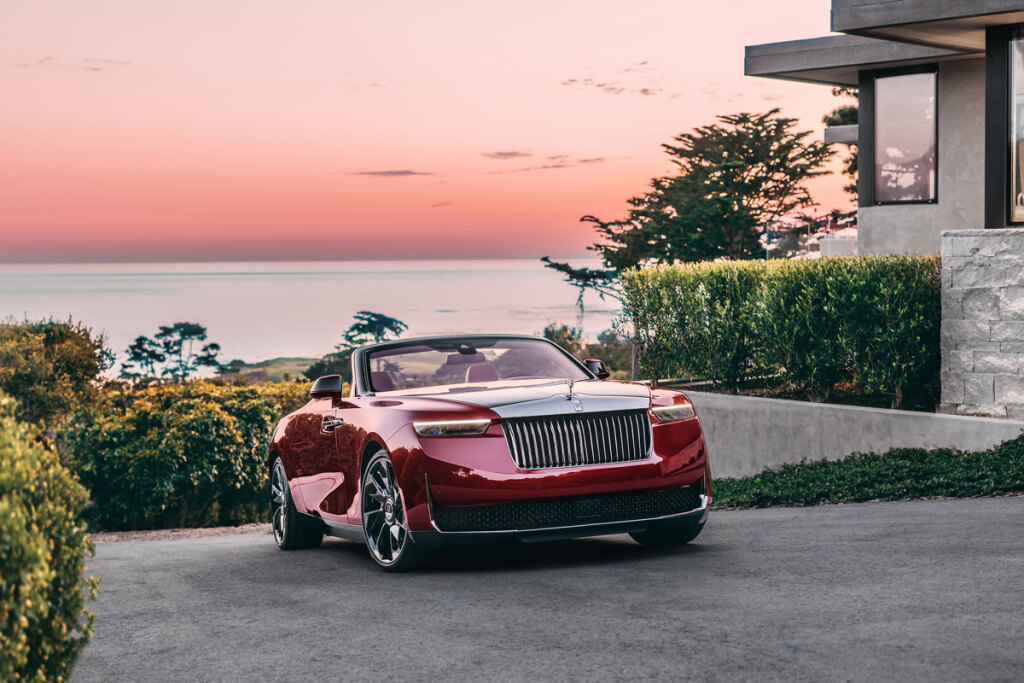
<point x="908" y="591"/>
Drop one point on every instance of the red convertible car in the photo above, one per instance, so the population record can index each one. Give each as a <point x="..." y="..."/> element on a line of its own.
<point x="470" y="438"/>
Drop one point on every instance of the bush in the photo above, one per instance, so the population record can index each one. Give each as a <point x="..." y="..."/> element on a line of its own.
<point x="50" y="368"/>
<point x="695" y="320"/>
<point x="898" y="474"/>
<point x="178" y="455"/>
<point x="873" y="320"/>
<point x="43" y="545"/>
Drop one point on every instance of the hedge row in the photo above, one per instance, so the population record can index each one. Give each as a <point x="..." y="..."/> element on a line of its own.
<point x="899" y="474"/>
<point x="43" y="546"/>
<point x="872" y="320"/>
<point x="177" y="455"/>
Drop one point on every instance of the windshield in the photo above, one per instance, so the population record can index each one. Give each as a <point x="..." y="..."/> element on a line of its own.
<point x="469" y="363"/>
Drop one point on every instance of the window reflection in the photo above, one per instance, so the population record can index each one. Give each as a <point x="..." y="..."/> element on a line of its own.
<point x="1017" y="131"/>
<point x="905" y="162"/>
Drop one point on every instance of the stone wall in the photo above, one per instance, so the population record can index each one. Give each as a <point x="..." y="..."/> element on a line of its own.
<point x="983" y="322"/>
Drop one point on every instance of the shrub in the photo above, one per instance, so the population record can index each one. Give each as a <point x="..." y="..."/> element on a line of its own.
<point x="895" y="312"/>
<point x="873" y="320"/>
<point x="43" y="545"/>
<point x="177" y="455"/>
<point x="50" y="368"/>
<point x="897" y="474"/>
<point x="695" y="320"/>
<point x="801" y="323"/>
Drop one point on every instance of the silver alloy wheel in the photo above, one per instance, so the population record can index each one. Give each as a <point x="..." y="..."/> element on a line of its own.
<point x="383" y="513"/>
<point x="278" y="502"/>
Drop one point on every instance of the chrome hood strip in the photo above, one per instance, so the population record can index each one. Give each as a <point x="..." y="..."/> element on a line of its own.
<point x="588" y="396"/>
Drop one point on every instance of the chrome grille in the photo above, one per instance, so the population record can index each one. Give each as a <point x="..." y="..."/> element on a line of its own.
<point x="570" y="440"/>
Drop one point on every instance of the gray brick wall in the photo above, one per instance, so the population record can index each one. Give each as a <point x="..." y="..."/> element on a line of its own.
<point x="983" y="323"/>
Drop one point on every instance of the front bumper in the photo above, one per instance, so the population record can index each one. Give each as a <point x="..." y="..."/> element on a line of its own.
<point x="538" y="531"/>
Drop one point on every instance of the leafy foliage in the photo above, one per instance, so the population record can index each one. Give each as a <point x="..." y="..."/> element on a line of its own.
<point x="569" y="338"/>
<point x="44" y="625"/>
<point x="895" y="475"/>
<point x="695" y="321"/>
<point x="368" y="327"/>
<point x="175" y="455"/>
<point x="870" y="320"/>
<point x="170" y="354"/>
<point x="50" y="368"/>
<point x="733" y="179"/>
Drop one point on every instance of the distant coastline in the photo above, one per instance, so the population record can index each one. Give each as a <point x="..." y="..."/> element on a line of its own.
<point x="261" y="311"/>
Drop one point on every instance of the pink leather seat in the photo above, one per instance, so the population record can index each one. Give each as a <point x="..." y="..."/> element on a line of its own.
<point x="481" y="372"/>
<point x="382" y="381"/>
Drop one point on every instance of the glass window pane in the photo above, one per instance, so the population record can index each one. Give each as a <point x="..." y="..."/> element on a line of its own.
<point x="905" y="138"/>
<point x="1017" y="131"/>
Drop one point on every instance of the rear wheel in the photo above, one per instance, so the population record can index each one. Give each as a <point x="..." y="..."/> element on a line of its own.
<point x="292" y="529"/>
<point x="665" y="535"/>
<point x="385" y="527"/>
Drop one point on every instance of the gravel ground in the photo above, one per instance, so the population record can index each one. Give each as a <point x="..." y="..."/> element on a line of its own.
<point x="921" y="590"/>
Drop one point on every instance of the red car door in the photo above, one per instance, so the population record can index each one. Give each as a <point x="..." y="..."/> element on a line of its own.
<point x="314" y="445"/>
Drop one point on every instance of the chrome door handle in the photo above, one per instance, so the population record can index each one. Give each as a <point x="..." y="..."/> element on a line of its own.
<point x="329" y="425"/>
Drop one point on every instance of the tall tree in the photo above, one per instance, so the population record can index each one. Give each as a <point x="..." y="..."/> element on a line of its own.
<point x="733" y="179"/>
<point x="171" y="353"/>
<point x="846" y="115"/>
<point x="368" y="327"/>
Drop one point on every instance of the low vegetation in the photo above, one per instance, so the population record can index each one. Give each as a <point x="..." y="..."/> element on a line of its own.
<point x="870" y="321"/>
<point x="615" y="350"/>
<point x="50" y="367"/>
<point x="177" y="455"/>
<point x="898" y="474"/>
<point x="43" y="547"/>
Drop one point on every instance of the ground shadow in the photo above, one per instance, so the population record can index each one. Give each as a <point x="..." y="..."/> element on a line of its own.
<point x="521" y="557"/>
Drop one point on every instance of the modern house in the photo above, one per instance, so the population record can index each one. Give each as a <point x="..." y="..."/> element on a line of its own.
<point x="941" y="145"/>
<point x="941" y="132"/>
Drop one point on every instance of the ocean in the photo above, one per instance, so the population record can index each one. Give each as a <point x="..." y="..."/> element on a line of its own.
<point x="258" y="311"/>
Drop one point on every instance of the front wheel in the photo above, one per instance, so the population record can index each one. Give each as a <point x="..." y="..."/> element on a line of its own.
<point x="385" y="528"/>
<point x="665" y="535"/>
<point x="292" y="530"/>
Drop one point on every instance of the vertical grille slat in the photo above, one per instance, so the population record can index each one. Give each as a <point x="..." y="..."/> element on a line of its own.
<point x="573" y="440"/>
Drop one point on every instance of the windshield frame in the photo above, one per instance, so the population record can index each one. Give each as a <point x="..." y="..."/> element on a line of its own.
<point x="361" y="385"/>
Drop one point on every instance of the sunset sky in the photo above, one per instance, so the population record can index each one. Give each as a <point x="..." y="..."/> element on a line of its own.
<point x="134" y="130"/>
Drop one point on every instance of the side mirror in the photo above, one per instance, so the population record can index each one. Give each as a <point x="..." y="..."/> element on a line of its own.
<point x="598" y="367"/>
<point x="326" y="387"/>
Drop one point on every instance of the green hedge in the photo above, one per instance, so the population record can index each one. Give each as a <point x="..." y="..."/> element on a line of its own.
<point x="872" y="320"/>
<point x="898" y="474"/>
<point x="43" y="546"/>
<point x="50" y="367"/>
<point x="178" y="455"/>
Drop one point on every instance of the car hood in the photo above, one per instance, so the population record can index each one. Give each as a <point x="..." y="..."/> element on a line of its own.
<point x="512" y="399"/>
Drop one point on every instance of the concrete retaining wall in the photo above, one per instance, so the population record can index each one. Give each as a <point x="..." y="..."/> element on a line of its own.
<point x="746" y="434"/>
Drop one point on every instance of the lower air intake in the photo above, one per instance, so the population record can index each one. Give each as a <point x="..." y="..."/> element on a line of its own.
<point x="541" y="514"/>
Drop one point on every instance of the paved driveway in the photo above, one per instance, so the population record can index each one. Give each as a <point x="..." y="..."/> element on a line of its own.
<point x="925" y="590"/>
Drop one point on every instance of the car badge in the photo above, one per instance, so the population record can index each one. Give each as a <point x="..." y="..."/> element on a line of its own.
<point x="576" y="403"/>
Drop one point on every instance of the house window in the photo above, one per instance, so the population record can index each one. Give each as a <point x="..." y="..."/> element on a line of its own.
<point x="1017" y="130"/>
<point x="905" y="138"/>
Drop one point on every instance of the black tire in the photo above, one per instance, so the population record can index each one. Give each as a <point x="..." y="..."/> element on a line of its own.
<point x="385" y="528"/>
<point x="666" y="535"/>
<point x="292" y="529"/>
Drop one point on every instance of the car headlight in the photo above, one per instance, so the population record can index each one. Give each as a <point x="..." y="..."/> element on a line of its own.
<point x="452" y="427"/>
<point x="679" y="411"/>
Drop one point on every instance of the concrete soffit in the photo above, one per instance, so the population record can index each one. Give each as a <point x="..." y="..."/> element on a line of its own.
<point x="838" y="59"/>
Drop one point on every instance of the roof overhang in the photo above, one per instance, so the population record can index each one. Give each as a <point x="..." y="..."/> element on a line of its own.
<point x="950" y="24"/>
<point x="838" y="60"/>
